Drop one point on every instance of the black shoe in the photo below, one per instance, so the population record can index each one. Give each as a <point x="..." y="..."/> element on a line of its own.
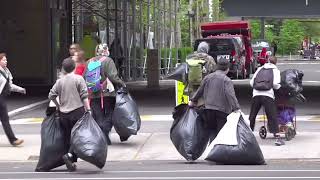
<point x="124" y="138"/>
<point x="70" y="165"/>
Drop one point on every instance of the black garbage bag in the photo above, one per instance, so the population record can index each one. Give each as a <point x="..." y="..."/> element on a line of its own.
<point x="179" y="73"/>
<point x="247" y="152"/>
<point x="126" y="118"/>
<point x="53" y="144"/>
<point x="291" y="81"/>
<point x="188" y="133"/>
<point x="89" y="142"/>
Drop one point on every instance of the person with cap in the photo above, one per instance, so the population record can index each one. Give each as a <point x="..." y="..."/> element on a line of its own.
<point x="219" y="97"/>
<point x="103" y="101"/>
<point x="6" y="87"/>
<point x="203" y="54"/>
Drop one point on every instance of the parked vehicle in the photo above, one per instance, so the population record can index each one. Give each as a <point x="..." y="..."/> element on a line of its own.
<point x="230" y="48"/>
<point x="238" y="31"/>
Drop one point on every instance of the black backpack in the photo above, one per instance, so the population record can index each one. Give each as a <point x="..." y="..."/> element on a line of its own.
<point x="264" y="80"/>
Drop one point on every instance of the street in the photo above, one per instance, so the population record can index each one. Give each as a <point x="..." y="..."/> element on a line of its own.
<point x="151" y="155"/>
<point x="160" y="170"/>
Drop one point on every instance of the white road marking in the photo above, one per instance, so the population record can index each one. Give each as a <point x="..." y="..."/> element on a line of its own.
<point x="178" y="171"/>
<point x="299" y="63"/>
<point x="162" y="118"/>
<point x="165" y="178"/>
<point x="30" y="106"/>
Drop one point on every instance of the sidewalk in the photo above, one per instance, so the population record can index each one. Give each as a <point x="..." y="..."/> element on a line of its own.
<point x="158" y="146"/>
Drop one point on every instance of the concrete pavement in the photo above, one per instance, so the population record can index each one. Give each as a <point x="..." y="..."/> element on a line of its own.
<point x="158" y="146"/>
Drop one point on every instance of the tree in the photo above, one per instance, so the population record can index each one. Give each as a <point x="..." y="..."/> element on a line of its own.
<point x="255" y="30"/>
<point x="291" y="36"/>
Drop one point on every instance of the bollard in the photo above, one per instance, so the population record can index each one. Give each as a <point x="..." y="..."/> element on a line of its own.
<point x="153" y="73"/>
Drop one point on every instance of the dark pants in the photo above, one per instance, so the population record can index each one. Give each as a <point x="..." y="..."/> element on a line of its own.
<point x="68" y="120"/>
<point x="103" y="116"/>
<point x="4" y="117"/>
<point x="214" y="121"/>
<point x="271" y="112"/>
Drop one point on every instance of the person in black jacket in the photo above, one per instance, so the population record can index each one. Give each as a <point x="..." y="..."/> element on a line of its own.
<point x="219" y="97"/>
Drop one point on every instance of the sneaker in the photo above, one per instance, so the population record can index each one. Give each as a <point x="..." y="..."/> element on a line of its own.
<point x="17" y="142"/>
<point x="279" y="142"/>
<point x="67" y="160"/>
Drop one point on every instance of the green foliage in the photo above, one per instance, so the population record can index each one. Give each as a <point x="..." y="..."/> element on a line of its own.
<point x="184" y="51"/>
<point x="184" y="22"/>
<point x="255" y="29"/>
<point x="312" y="29"/>
<point x="291" y="36"/>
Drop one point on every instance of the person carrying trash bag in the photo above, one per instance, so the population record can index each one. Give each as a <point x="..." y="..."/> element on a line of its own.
<point x="53" y="143"/>
<point x="88" y="141"/>
<point x="102" y="79"/>
<point x="73" y="98"/>
<point x="188" y="133"/>
<point x="235" y="144"/>
<point x="219" y="98"/>
<point x="125" y="118"/>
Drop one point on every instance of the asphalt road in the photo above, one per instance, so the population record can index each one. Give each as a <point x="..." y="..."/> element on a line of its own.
<point x="160" y="170"/>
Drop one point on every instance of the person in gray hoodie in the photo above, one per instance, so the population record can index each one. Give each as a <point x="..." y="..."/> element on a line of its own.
<point x="6" y="86"/>
<point x="219" y="97"/>
<point x="266" y="99"/>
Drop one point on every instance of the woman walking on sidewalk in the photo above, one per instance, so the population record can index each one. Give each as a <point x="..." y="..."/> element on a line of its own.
<point x="6" y="86"/>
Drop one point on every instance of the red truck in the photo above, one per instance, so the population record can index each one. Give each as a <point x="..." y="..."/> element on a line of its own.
<point x="230" y="39"/>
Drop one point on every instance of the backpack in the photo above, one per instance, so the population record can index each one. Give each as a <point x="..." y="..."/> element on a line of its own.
<point x="263" y="80"/>
<point x="195" y="74"/>
<point x="93" y="76"/>
<point x="6" y="89"/>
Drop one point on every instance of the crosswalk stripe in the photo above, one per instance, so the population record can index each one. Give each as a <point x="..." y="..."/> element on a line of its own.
<point x="260" y="118"/>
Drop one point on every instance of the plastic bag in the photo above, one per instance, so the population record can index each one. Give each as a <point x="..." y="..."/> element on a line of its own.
<point x="89" y="142"/>
<point x="291" y="81"/>
<point x="53" y="145"/>
<point x="188" y="133"/>
<point x="246" y="152"/>
<point x="126" y="117"/>
<point x="179" y="73"/>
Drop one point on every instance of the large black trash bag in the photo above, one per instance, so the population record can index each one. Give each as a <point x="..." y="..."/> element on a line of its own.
<point x="53" y="144"/>
<point x="126" y="118"/>
<point x="247" y="152"/>
<point x="179" y="73"/>
<point x="188" y="133"/>
<point x="291" y="81"/>
<point x="89" y="142"/>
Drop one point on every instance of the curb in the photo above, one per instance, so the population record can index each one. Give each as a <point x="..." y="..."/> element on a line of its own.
<point x="27" y="108"/>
